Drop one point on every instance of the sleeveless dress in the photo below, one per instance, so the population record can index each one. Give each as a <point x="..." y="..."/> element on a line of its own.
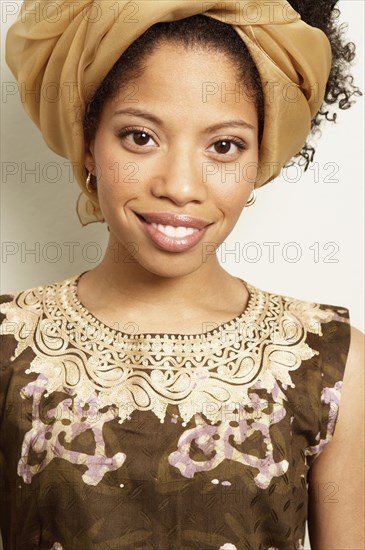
<point x="113" y="440"/>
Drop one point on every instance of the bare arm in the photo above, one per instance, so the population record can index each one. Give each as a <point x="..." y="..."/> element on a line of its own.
<point x="336" y="478"/>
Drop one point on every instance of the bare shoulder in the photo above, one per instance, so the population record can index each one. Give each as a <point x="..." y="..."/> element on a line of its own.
<point x="355" y="360"/>
<point x="351" y="413"/>
<point x="336" y="478"/>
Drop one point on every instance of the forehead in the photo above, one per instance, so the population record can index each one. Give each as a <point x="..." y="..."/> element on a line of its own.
<point x="182" y="80"/>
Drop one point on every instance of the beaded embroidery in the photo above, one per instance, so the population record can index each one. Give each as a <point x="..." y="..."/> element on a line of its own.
<point x="107" y="374"/>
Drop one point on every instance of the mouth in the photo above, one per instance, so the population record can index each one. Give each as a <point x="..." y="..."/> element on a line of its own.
<point x="173" y="232"/>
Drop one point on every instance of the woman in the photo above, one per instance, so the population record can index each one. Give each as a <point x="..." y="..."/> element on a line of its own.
<point x="164" y="434"/>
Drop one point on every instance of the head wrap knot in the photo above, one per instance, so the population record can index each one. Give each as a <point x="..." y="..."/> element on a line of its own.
<point x="60" y="52"/>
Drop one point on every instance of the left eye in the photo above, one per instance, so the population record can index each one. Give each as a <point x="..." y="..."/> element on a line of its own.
<point x="223" y="146"/>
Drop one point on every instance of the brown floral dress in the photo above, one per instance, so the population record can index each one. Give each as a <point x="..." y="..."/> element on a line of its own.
<point x="119" y="440"/>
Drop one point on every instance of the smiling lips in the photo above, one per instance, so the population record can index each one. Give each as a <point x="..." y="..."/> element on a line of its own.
<point x="173" y="232"/>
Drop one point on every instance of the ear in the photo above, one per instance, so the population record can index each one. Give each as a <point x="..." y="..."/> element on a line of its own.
<point x="90" y="163"/>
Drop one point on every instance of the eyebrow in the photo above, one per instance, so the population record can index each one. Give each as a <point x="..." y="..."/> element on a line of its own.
<point x="148" y="116"/>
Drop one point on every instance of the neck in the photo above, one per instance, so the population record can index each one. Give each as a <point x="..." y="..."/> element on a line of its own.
<point x="121" y="281"/>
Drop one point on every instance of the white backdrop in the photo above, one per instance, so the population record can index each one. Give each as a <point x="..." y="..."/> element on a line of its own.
<point x="304" y="236"/>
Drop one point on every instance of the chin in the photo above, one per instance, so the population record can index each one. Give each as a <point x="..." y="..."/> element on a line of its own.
<point x="172" y="267"/>
<point x="160" y="262"/>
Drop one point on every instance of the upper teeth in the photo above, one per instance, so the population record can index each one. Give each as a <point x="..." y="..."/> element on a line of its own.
<point x="171" y="231"/>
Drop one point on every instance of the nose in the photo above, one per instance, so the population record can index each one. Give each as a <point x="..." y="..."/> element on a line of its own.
<point x="180" y="177"/>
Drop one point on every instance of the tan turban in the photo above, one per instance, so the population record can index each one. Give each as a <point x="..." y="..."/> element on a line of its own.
<point x="60" y="50"/>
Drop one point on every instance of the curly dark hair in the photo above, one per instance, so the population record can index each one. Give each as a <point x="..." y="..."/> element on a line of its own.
<point x="202" y="31"/>
<point x="340" y="88"/>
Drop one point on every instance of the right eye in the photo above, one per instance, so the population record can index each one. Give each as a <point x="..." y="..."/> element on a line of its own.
<point x="136" y="136"/>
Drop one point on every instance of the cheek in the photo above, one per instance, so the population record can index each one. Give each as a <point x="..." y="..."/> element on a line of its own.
<point x="116" y="175"/>
<point x="234" y="184"/>
<point x="231" y="203"/>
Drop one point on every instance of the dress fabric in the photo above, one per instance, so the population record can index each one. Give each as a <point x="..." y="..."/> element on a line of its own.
<point x="114" y="440"/>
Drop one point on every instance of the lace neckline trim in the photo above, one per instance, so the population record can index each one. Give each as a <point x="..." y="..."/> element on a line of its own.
<point x="252" y="310"/>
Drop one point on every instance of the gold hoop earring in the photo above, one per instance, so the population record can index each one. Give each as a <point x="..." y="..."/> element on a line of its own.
<point x="88" y="183"/>
<point x="252" y="198"/>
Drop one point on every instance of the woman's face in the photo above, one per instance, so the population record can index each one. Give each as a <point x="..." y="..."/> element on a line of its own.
<point x="180" y="140"/>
